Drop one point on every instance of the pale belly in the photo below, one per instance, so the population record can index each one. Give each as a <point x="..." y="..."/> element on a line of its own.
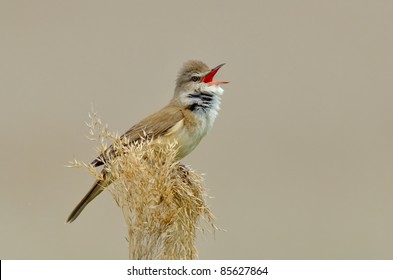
<point x="186" y="144"/>
<point x="186" y="139"/>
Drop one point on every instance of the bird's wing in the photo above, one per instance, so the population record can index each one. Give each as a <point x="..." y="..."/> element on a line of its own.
<point x="157" y="124"/>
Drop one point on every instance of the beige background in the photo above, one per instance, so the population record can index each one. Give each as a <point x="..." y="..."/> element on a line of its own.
<point x="300" y="161"/>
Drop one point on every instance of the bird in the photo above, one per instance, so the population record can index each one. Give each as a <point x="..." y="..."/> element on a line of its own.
<point x="187" y="118"/>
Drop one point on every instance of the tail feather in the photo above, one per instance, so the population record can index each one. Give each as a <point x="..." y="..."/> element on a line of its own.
<point x="98" y="187"/>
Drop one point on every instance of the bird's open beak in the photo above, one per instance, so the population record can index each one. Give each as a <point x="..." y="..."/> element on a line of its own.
<point x="208" y="79"/>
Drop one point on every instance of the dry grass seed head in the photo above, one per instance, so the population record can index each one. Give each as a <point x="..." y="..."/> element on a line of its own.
<point x="162" y="200"/>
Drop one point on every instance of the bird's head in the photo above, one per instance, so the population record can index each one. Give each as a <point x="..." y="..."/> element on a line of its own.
<point x="195" y="76"/>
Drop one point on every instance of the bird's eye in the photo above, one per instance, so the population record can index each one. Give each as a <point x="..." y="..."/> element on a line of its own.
<point x="194" y="78"/>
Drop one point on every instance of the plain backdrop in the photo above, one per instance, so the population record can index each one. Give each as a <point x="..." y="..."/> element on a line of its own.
<point x="299" y="162"/>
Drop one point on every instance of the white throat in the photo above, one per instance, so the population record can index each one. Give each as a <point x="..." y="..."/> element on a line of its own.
<point x="216" y="91"/>
<point x="204" y="104"/>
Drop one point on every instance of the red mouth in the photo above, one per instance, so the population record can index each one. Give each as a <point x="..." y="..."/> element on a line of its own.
<point x="208" y="79"/>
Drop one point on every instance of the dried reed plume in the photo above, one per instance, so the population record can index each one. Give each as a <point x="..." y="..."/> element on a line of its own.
<point x="162" y="200"/>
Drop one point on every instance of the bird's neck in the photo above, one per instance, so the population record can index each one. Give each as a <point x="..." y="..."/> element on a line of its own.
<point x="204" y="103"/>
<point x="200" y="109"/>
<point x="202" y="100"/>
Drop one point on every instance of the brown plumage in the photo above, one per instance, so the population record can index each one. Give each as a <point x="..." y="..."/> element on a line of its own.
<point x="155" y="125"/>
<point x="186" y="119"/>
